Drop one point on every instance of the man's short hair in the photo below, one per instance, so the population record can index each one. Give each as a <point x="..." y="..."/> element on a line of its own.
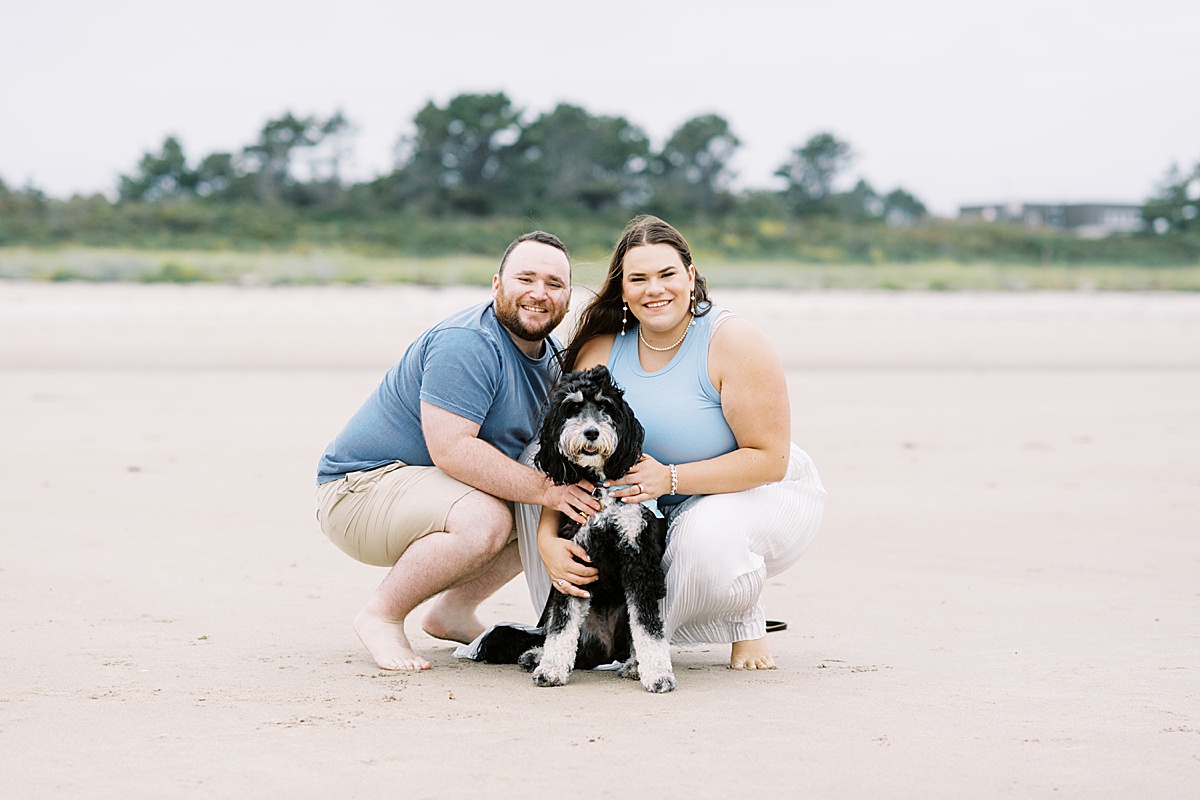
<point x="537" y="236"/>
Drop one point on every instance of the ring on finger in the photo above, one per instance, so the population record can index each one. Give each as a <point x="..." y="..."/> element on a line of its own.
<point x="561" y="582"/>
<point x="640" y="489"/>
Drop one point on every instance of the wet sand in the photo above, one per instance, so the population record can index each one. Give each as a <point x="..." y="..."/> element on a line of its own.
<point x="1004" y="599"/>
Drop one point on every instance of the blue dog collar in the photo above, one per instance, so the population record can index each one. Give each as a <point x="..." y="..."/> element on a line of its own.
<point x="651" y="504"/>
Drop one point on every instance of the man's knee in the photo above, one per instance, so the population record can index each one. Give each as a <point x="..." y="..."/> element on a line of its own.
<point x="482" y="517"/>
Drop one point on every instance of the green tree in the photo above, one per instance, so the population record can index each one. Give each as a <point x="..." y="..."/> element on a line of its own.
<point x="692" y="172"/>
<point x="810" y="174"/>
<point x="323" y="161"/>
<point x="271" y="158"/>
<point x="217" y="177"/>
<point x="569" y="159"/>
<point x="896" y="208"/>
<point x="459" y="155"/>
<point x="160" y="176"/>
<point x="861" y="203"/>
<point x="901" y="208"/>
<point x="1175" y="206"/>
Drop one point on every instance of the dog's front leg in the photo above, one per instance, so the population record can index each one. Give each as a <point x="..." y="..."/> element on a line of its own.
<point x="651" y="658"/>
<point x="567" y="614"/>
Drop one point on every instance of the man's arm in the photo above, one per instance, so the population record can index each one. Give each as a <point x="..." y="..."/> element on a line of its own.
<point x="456" y="448"/>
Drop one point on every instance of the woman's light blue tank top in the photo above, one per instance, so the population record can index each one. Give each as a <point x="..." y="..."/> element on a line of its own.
<point x="677" y="405"/>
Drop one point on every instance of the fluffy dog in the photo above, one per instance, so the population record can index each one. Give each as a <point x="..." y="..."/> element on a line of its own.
<point x="590" y="432"/>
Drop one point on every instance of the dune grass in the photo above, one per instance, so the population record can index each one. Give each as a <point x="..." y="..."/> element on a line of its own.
<point x="321" y="266"/>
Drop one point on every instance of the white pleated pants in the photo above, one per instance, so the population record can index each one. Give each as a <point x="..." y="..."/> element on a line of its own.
<point x="721" y="548"/>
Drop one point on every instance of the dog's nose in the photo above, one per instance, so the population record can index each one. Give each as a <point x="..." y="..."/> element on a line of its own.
<point x="591" y="434"/>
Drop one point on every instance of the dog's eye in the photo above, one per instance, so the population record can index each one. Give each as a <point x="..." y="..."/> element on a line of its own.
<point x="570" y="406"/>
<point x="605" y="403"/>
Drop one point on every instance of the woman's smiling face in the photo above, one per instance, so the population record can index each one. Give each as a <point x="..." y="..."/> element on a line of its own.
<point x="657" y="286"/>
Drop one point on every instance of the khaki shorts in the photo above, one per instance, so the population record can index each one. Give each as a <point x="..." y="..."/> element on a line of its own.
<point x="373" y="516"/>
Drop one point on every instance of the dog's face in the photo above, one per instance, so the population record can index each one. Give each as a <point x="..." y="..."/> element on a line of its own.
<point x="589" y="430"/>
<point x="588" y="436"/>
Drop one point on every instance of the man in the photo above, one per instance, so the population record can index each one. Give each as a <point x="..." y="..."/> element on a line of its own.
<point x="418" y="479"/>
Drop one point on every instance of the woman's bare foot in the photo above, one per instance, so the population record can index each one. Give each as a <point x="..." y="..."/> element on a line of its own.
<point x="387" y="643"/>
<point x="751" y="654"/>
<point x="445" y="620"/>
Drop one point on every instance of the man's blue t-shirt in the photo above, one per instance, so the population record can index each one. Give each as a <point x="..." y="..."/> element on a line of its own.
<point x="468" y="365"/>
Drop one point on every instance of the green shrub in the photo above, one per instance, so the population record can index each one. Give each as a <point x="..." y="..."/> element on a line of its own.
<point x="173" y="272"/>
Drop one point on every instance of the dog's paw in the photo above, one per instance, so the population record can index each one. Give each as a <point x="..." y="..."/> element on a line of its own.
<point x="547" y="677"/>
<point x="660" y="685"/>
<point x="629" y="669"/>
<point x="529" y="660"/>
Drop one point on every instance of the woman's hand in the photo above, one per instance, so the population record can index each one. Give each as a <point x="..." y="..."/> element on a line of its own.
<point x="562" y="559"/>
<point x="647" y="480"/>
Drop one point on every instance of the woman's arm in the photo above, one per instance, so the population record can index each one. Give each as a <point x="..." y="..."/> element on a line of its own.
<point x="747" y="373"/>
<point x="743" y="367"/>
<point x="559" y="557"/>
<point x="595" y="351"/>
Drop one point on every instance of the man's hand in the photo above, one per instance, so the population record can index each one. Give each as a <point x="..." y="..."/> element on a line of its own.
<point x="575" y="500"/>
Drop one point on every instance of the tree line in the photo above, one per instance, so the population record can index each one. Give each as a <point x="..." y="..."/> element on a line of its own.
<point x="477" y="171"/>
<point x="477" y="155"/>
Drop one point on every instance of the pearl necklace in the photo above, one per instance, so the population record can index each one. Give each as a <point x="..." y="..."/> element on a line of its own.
<point x="678" y="342"/>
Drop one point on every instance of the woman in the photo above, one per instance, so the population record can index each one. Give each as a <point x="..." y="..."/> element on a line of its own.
<point x="742" y="502"/>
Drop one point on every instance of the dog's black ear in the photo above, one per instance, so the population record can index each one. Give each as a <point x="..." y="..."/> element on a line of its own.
<point x="630" y="433"/>
<point x="548" y="459"/>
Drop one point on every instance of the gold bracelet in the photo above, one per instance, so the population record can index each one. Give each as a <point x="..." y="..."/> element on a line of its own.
<point x="674" y="478"/>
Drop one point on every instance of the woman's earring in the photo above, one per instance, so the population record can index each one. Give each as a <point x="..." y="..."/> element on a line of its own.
<point x="624" y="312"/>
<point x="692" y="301"/>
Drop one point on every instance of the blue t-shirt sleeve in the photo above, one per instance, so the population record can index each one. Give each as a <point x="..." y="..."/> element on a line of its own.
<point x="461" y="373"/>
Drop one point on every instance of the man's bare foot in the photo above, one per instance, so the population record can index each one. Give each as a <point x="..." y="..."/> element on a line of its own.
<point x="751" y="654"/>
<point x="387" y="643"/>
<point x="452" y="623"/>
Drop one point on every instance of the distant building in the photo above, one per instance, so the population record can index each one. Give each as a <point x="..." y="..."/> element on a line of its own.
<point x="1087" y="220"/>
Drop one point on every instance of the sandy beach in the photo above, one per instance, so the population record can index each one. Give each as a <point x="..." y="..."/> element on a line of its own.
<point x="1003" y="601"/>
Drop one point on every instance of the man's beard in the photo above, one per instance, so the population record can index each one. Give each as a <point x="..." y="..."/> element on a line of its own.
<point x="509" y="315"/>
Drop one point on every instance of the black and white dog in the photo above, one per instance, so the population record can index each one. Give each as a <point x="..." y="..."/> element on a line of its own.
<point x="590" y="433"/>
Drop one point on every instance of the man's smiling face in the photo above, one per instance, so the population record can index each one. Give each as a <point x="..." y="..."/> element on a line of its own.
<point x="532" y="291"/>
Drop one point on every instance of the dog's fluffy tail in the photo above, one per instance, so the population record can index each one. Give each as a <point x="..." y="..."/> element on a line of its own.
<point x="505" y="643"/>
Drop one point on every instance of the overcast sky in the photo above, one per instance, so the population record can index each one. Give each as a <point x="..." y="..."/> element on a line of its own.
<point x="957" y="101"/>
